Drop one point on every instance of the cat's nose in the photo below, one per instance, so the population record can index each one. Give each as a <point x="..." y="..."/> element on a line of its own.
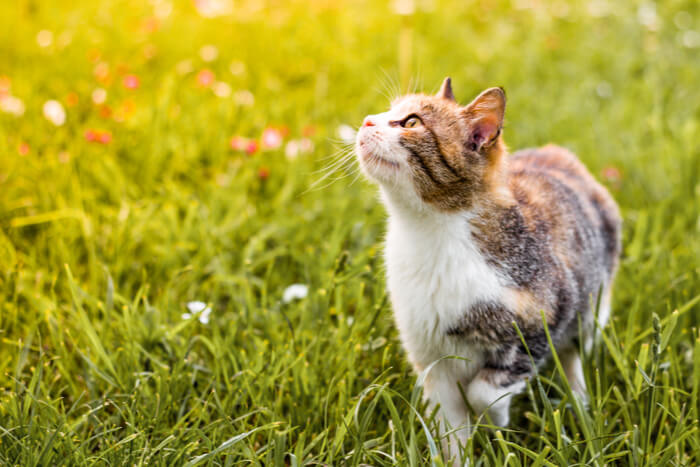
<point x="368" y="122"/>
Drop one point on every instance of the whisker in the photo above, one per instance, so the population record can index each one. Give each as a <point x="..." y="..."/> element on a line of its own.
<point x="394" y="87"/>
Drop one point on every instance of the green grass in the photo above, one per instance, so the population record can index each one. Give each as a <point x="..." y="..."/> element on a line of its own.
<point x="102" y="246"/>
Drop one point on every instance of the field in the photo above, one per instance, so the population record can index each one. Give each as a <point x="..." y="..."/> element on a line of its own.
<point x="155" y="155"/>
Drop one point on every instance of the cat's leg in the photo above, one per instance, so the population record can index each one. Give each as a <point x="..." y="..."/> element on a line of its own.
<point x="453" y="416"/>
<point x="571" y="362"/>
<point x="605" y="306"/>
<point x="493" y="390"/>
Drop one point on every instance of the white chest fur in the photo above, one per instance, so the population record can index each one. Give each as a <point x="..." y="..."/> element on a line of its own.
<point x="435" y="273"/>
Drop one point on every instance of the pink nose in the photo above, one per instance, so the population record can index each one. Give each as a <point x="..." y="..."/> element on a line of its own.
<point x="368" y="122"/>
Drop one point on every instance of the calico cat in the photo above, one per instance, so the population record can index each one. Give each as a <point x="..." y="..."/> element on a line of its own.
<point x="478" y="240"/>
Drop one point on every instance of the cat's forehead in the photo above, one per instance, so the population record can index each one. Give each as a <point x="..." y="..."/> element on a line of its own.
<point x="420" y="104"/>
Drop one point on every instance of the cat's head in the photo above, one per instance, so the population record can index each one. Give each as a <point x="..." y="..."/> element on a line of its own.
<point x="431" y="151"/>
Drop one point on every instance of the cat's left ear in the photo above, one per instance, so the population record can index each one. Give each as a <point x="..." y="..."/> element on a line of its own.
<point x="446" y="90"/>
<point x="484" y="118"/>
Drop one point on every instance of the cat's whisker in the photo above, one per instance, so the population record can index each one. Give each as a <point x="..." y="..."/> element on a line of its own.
<point x="392" y="84"/>
<point x="338" y="156"/>
<point x="340" y="168"/>
<point x="345" y="166"/>
<point x="343" y="161"/>
<point x="345" y="147"/>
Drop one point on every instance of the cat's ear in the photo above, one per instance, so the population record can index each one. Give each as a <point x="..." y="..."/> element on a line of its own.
<point x="446" y="90"/>
<point x="484" y="118"/>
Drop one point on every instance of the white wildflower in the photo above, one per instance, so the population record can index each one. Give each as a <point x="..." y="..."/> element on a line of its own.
<point x="54" y="112"/>
<point x="12" y="105"/>
<point x="295" y="292"/>
<point x="291" y="150"/>
<point x="221" y="89"/>
<point x="200" y="309"/>
<point x="346" y="133"/>
<point x="214" y="8"/>
<point x="99" y="96"/>
<point x="296" y="147"/>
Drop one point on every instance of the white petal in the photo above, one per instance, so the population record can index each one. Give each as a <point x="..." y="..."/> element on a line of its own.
<point x="346" y="133"/>
<point x="295" y="292"/>
<point x="99" y="96"/>
<point x="196" y="306"/>
<point x="221" y="89"/>
<point x="12" y="105"/>
<point x="291" y="150"/>
<point x="53" y="111"/>
<point x="204" y="317"/>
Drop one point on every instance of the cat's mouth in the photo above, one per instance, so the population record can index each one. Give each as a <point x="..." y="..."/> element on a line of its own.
<point x="371" y="159"/>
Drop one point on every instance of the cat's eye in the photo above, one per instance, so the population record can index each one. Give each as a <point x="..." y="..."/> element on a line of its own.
<point x="411" y="122"/>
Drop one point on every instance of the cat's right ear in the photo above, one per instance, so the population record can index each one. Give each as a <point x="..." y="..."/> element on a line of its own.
<point x="484" y="118"/>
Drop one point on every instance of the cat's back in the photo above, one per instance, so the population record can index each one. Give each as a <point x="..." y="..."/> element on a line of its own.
<point x="554" y="188"/>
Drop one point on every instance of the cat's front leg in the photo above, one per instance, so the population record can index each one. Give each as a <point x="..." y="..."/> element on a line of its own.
<point x="442" y="390"/>
<point x="492" y="390"/>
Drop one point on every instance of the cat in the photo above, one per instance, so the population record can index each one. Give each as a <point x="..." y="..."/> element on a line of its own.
<point x="478" y="240"/>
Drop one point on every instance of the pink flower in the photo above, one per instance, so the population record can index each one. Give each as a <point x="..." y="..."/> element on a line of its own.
<point x="306" y="145"/>
<point x="238" y="143"/>
<point x="271" y="138"/>
<point x="131" y="82"/>
<point x="252" y="147"/>
<point x="611" y="174"/>
<point x="105" y="137"/>
<point x="98" y="136"/>
<point x="296" y="147"/>
<point x="205" y="78"/>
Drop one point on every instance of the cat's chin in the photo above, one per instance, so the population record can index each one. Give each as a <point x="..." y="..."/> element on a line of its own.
<point x="376" y="167"/>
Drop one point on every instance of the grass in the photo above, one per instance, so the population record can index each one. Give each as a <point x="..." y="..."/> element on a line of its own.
<point x="103" y="245"/>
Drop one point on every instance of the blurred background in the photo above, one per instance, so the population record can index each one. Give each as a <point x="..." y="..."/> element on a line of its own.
<point x="170" y="168"/>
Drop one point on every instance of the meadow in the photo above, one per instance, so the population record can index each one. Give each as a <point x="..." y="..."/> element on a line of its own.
<point x="167" y="173"/>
